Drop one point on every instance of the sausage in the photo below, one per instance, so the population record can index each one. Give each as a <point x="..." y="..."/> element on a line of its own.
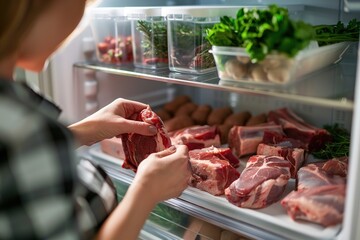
<point x="186" y="109"/>
<point x="178" y="122"/>
<point x="224" y="132"/>
<point x="218" y="115"/>
<point x="163" y="114"/>
<point x="201" y="114"/>
<point x="174" y="105"/>
<point x="238" y="119"/>
<point x="256" y="120"/>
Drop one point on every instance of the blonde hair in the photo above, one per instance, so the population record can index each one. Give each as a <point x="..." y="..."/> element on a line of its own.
<point x="16" y="19"/>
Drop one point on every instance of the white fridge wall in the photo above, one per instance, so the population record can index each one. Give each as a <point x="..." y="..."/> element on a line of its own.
<point x="78" y="47"/>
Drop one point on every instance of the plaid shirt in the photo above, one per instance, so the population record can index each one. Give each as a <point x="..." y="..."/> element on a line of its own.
<point x="45" y="191"/>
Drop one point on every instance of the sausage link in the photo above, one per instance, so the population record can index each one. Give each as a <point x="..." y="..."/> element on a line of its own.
<point x="201" y="114"/>
<point x="186" y="109"/>
<point x="238" y="119"/>
<point x="178" y="122"/>
<point x="256" y="120"/>
<point x="218" y="115"/>
<point x="163" y="114"/>
<point x="224" y="132"/>
<point x="174" y="105"/>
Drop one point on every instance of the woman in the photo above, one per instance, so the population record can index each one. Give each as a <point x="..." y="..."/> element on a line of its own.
<point x="45" y="192"/>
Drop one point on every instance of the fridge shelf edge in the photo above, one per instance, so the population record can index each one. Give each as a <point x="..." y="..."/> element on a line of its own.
<point x="338" y="103"/>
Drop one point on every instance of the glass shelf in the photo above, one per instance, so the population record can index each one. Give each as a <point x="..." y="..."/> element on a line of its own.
<point x="268" y="223"/>
<point x="327" y="88"/>
<point x="184" y="204"/>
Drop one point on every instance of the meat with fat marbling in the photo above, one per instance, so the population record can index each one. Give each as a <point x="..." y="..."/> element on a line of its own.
<point x="137" y="147"/>
<point x="197" y="137"/>
<point x="261" y="183"/>
<point x="212" y="171"/>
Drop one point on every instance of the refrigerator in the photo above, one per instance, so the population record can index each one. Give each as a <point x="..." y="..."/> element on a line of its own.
<point x="80" y="85"/>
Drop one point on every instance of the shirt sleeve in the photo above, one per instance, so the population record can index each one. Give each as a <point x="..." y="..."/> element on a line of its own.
<point x="95" y="196"/>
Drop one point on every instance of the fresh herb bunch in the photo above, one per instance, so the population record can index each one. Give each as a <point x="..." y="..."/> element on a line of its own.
<point x="155" y="38"/>
<point x="338" y="147"/>
<point x="330" y="34"/>
<point x="185" y="33"/>
<point x="262" y="31"/>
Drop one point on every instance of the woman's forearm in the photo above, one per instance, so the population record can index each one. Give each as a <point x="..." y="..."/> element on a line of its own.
<point x="128" y="218"/>
<point x="82" y="132"/>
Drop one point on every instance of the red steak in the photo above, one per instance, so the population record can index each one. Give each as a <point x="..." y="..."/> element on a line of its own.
<point x="320" y="197"/>
<point x="137" y="147"/>
<point x="261" y="183"/>
<point x="323" y="205"/>
<point x="197" y="137"/>
<point x="295" y="156"/>
<point x="212" y="171"/>
<point x="295" y="127"/>
<point x="244" y="140"/>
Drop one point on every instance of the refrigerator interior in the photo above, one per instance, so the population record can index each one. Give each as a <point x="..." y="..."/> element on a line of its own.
<point x="273" y="220"/>
<point x="82" y="86"/>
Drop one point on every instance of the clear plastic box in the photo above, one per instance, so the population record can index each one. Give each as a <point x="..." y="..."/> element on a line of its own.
<point x="234" y="64"/>
<point x="149" y="34"/>
<point x="188" y="46"/>
<point x="112" y="33"/>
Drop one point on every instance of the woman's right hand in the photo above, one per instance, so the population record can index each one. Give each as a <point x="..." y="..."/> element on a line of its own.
<point x="160" y="176"/>
<point x="165" y="174"/>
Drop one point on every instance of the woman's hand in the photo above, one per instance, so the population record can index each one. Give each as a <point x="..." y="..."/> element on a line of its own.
<point x="164" y="175"/>
<point x="160" y="176"/>
<point x="112" y="120"/>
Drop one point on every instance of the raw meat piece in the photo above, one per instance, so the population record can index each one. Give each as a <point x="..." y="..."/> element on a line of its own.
<point x="295" y="127"/>
<point x="261" y="183"/>
<point x="295" y="156"/>
<point x="323" y="205"/>
<point x="319" y="198"/>
<point x="311" y="176"/>
<point x="244" y="140"/>
<point x="197" y="137"/>
<point x="211" y="173"/>
<point x="280" y="139"/>
<point x="222" y="153"/>
<point x="137" y="147"/>
<point x="336" y="166"/>
<point x="113" y="147"/>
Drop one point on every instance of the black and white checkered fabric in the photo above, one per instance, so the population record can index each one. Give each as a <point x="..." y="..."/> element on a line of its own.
<point x="45" y="191"/>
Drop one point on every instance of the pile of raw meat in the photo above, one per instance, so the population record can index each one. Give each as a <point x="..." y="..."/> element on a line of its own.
<point x="254" y="169"/>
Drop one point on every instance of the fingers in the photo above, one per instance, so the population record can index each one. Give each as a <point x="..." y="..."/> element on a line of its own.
<point x="178" y="149"/>
<point x="138" y="127"/>
<point x="166" y="152"/>
<point x="127" y="108"/>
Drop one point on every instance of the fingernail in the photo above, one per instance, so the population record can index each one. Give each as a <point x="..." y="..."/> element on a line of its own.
<point x="153" y="129"/>
<point x="172" y="148"/>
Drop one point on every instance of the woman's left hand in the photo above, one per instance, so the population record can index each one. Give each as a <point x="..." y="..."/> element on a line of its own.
<point x="111" y="121"/>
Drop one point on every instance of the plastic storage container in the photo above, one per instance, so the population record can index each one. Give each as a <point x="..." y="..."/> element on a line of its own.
<point x="112" y="33"/>
<point x="149" y="34"/>
<point x="234" y="64"/>
<point x="188" y="47"/>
